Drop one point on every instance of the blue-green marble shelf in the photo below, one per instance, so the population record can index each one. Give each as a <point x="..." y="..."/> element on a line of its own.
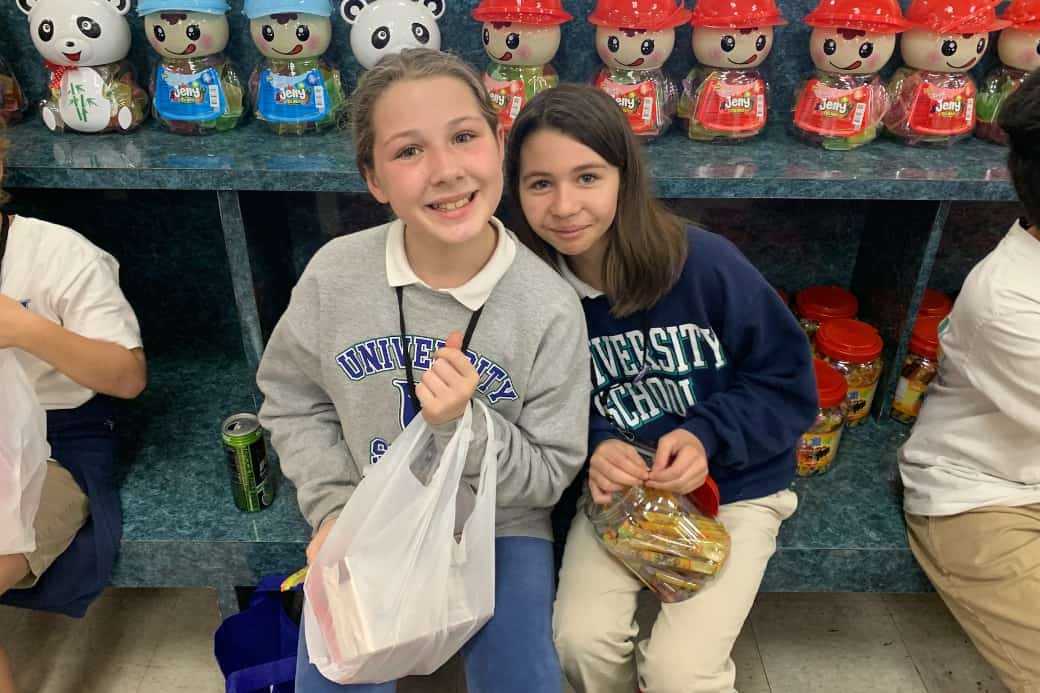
<point x="250" y="158"/>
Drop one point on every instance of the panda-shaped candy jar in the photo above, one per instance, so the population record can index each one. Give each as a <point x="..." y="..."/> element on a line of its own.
<point x="1019" y="49"/>
<point x="933" y="96"/>
<point x="294" y="88"/>
<point x="841" y="106"/>
<point x="725" y="98"/>
<point x="382" y="27"/>
<point x="84" y="44"/>
<point x="195" y="89"/>
<point x="521" y="38"/>
<point x="12" y="100"/>
<point x="634" y="38"/>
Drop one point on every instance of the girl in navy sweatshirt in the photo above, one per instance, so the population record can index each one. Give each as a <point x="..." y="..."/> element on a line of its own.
<point x="694" y="354"/>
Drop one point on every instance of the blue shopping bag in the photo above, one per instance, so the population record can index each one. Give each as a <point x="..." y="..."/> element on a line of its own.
<point x="256" y="648"/>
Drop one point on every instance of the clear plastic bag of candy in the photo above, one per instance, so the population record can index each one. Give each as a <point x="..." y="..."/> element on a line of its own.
<point x="663" y="538"/>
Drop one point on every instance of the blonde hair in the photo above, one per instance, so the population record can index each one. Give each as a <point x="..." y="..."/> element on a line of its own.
<point x="409" y="64"/>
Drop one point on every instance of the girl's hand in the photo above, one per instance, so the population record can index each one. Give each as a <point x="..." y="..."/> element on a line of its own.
<point x="319" y="538"/>
<point x="680" y="465"/>
<point x="615" y="466"/>
<point x="447" y="387"/>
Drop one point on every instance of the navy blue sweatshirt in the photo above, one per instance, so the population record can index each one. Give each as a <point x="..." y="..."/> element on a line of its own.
<point x="726" y="360"/>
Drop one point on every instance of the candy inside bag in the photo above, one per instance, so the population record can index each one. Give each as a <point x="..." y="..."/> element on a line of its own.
<point x="662" y="538"/>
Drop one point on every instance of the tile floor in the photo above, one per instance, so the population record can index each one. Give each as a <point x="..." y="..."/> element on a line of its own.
<point x="160" y="641"/>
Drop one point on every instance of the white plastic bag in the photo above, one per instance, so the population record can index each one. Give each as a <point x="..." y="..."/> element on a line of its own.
<point x="23" y="457"/>
<point x="392" y="593"/>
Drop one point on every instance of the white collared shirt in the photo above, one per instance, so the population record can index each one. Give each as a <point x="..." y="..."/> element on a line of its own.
<point x="583" y="289"/>
<point x="472" y="294"/>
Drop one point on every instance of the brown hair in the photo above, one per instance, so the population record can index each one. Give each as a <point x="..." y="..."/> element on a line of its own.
<point x="4" y="144"/>
<point x="646" y="243"/>
<point x="409" y="64"/>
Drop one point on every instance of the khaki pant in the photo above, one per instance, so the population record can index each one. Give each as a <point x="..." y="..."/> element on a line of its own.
<point x="689" y="648"/>
<point x="63" y="510"/>
<point x="985" y="564"/>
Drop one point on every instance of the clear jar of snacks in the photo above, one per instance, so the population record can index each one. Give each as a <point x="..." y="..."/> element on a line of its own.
<point x="819" y="445"/>
<point x="919" y="369"/>
<point x="935" y="304"/>
<point x="854" y="349"/>
<point x="817" y="304"/>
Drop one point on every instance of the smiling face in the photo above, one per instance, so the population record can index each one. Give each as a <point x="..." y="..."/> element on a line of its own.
<point x="436" y="160"/>
<point x="291" y="36"/>
<point x="850" y="51"/>
<point x="520" y="44"/>
<point x="186" y="34"/>
<point x="732" y="48"/>
<point x="926" y="50"/>
<point x="1019" y="49"/>
<point x="634" y="49"/>
<point x="79" y="32"/>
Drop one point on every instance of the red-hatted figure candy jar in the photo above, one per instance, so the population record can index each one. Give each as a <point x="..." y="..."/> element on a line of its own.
<point x="933" y="96"/>
<point x="840" y="107"/>
<point x="725" y="97"/>
<point x="521" y="37"/>
<point x="1019" y="49"/>
<point x="633" y="39"/>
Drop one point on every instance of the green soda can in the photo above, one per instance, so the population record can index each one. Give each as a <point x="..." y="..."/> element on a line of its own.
<point x="251" y="484"/>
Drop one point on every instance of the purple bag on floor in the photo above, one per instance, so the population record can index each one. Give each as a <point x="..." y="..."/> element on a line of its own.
<point x="256" y="648"/>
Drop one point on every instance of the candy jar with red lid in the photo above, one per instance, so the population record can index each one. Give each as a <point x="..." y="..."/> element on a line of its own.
<point x="840" y="107"/>
<point x="933" y="96"/>
<point x="819" y="445"/>
<point x="919" y="369"/>
<point x="854" y="349"/>
<point x="817" y="304"/>
<point x="726" y="97"/>
<point x="1019" y="49"/>
<point x="633" y="39"/>
<point x="521" y="37"/>
<point x="935" y="304"/>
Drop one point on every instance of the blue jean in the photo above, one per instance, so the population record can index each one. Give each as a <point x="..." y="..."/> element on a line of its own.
<point x="513" y="652"/>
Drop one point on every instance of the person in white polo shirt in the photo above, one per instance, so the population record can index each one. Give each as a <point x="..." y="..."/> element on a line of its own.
<point x="971" y="468"/>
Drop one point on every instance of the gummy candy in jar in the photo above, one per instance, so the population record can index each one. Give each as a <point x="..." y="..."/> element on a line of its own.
<point x="933" y="96"/>
<point x="521" y="38"/>
<point x="12" y="99"/>
<point x="195" y="88"/>
<point x="663" y="539"/>
<point x="818" y="446"/>
<point x="725" y="97"/>
<point x="1018" y="47"/>
<point x="294" y="89"/>
<point x="854" y="349"/>
<point x="91" y="85"/>
<point x="840" y="107"/>
<point x="634" y="39"/>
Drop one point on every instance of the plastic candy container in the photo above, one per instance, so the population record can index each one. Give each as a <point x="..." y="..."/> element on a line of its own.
<point x="934" y="304"/>
<point x="195" y="89"/>
<point x="1019" y="49"/>
<point x="819" y="445"/>
<point x="854" y="349"/>
<point x="382" y="27"/>
<point x="726" y="97"/>
<point x="294" y="89"/>
<point x="933" y="96"/>
<point x="633" y="39"/>
<point x="663" y="539"/>
<point x="919" y="369"/>
<point x="84" y="43"/>
<point x="840" y="107"/>
<point x="817" y="304"/>
<point x="12" y="100"/>
<point x="521" y="38"/>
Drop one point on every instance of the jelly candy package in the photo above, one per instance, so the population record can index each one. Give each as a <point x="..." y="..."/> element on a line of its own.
<point x="12" y="100"/>
<point x="663" y="538"/>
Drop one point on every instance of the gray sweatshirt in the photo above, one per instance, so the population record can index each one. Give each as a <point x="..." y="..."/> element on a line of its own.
<point x="334" y="381"/>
